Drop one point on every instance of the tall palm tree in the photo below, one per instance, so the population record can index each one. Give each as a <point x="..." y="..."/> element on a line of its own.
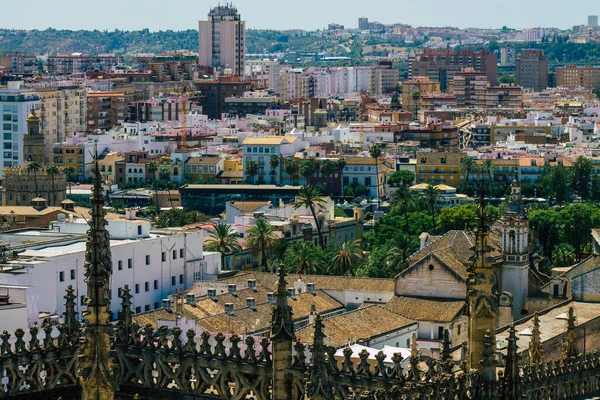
<point x="261" y="237"/>
<point x="34" y="167"/>
<point x="251" y="169"/>
<point x="68" y="171"/>
<point x="304" y="258"/>
<point x="273" y="163"/>
<point x="416" y="96"/>
<point x="431" y="194"/>
<point x="152" y="167"/>
<point x="278" y="251"/>
<point x="341" y="164"/>
<point x="222" y="238"/>
<point x="375" y="152"/>
<point x="291" y="168"/>
<point x="310" y="197"/>
<point x="468" y="166"/>
<point x="307" y="170"/>
<point x="403" y="202"/>
<point x="52" y="171"/>
<point x="489" y="168"/>
<point x="398" y="253"/>
<point x="345" y="257"/>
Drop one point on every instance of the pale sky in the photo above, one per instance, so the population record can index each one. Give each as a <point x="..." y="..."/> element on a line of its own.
<point x="286" y="14"/>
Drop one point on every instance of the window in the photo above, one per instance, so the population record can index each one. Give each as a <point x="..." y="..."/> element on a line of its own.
<point x="174" y="254"/>
<point x="130" y="263"/>
<point x="173" y="281"/>
<point x="147" y="307"/>
<point x="82" y="300"/>
<point x="120" y="292"/>
<point x="155" y="305"/>
<point x="147" y="259"/>
<point x="61" y="276"/>
<point x="146" y="286"/>
<point x="181" y="253"/>
<point x="458" y="329"/>
<point x="120" y="265"/>
<point x="164" y="256"/>
<point x="139" y="229"/>
<point x="72" y="274"/>
<point x="181" y="279"/>
<point x="156" y="284"/>
<point x="137" y="288"/>
<point x="440" y="332"/>
<point x="555" y="291"/>
<point x="138" y="310"/>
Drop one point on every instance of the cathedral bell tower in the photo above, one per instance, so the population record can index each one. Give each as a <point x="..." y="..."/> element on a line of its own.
<point x="33" y="140"/>
<point x="514" y="229"/>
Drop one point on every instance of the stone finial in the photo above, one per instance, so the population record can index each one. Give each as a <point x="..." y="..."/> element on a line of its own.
<point x="511" y="387"/>
<point x="282" y="324"/>
<point x="535" y="344"/>
<point x="569" y="343"/>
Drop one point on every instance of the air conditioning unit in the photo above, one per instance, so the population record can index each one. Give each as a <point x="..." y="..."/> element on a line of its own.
<point x="232" y="289"/>
<point x="229" y="308"/>
<point x="271" y="297"/>
<point x="191" y="299"/>
<point x="212" y="294"/>
<point x="252" y="284"/>
<point x="310" y="288"/>
<point x="250" y="302"/>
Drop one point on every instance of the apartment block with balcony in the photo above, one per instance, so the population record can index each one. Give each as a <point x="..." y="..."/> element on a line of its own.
<point x="105" y="110"/>
<point x="505" y="96"/>
<point x="68" y="64"/>
<point x="532" y="69"/>
<point x="529" y="134"/>
<point x="470" y="89"/>
<point x="437" y="135"/>
<point x="440" y="168"/>
<point x="572" y="76"/>
<point x="72" y="155"/>
<point x="260" y="150"/>
<point x="415" y="89"/>
<point x="19" y="63"/>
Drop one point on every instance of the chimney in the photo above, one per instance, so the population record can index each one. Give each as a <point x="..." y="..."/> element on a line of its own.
<point x="312" y="314"/>
<point x="191" y="299"/>
<point x="212" y="294"/>
<point x="271" y="297"/>
<point x="423" y="239"/>
<point x="232" y="289"/>
<point x="167" y="304"/>
<point x="130" y="214"/>
<point x="39" y="203"/>
<point x="310" y="288"/>
<point x="250" y="302"/>
<point x="291" y="292"/>
<point x="229" y="308"/>
<point x="252" y="284"/>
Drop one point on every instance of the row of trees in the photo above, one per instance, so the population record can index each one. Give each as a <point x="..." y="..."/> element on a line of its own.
<point x="292" y="168"/>
<point x="52" y="171"/>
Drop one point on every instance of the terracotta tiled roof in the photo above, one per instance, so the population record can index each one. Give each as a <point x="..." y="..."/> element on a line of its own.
<point x="248" y="205"/>
<point x="324" y="282"/>
<point x="361" y="161"/>
<point x="425" y="309"/>
<point x="364" y="323"/>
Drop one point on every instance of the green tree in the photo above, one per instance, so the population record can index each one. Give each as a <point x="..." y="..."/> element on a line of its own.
<point x="402" y="177"/>
<point x="117" y="205"/>
<point x="341" y="164"/>
<point x="488" y="168"/>
<point x="307" y="169"/>
<point x="68" y="171"/>
<point x="261" y="237"/>
<point x="375" y="152"/>
<point x="431" y="195"/>
<point x="563" y="255"/>
<point x="278" y="251"/>
<point x="304" y="258"/>
<point x="458" y="218"/>
<point x="34" y="167"/>
<point x="581" y="177"/>
<point x="403" y="202"/>
<point x="222" y="238"/>
<point x="327" y="168"/>
<point x="52" y="171"/>
<point x="398" y="252"/>
<point x="468" y="166"/>
<point x="310" y="197"/>
<point x="555" y="183"/>
<point x="251" y="170"/>
<point x="416" y="96"/>
<point x="273" y="164"/>
<point x="151" y="168"/>
<point x="345" y="257"/>
<point x="291" y="168"/>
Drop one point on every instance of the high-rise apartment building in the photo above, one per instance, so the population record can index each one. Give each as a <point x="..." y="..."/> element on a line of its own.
<point x="68" y="64"/>
<point x="572" y="76"/>
<point x="223" y="40"/>
<point x="441" y="65"/>
<point x="470" y="89"/>
<point x="507" y="56"/>
<point x="19" y="63"/>
<point x="363" y="23"/>
<point x="532" y="69"/>
<point x="592" y="20"/>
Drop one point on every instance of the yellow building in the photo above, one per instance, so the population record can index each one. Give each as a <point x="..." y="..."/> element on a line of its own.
<point x="203" y="169"/>
<point x="233" y="171"/>
<point x="107" y="166"/>
<point x="440" y="168"/>
<point x="65" y="155"/>
<point x="522" y="133"/>
<point x="421" y="85"/>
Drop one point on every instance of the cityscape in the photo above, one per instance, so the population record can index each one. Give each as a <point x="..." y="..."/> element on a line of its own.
<point x="378" y="211"/>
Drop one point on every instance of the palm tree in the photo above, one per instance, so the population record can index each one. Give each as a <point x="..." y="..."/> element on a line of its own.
<point x="327" y="167"/>
<point x="416" y="96"/>
<point x="307" y="170"/>
<point x="398" y="253"/>
<point x="345" y="257"/>
<point x="222" y="239"/>
<point x="34" y="167"/>
<point x="52" y="171"/>
<point x="251" y="169"/>
<point x="304" y="258"/>
<point x="261" y="237"/>
<point x="310" y="197"/>
<point x="273" y="163"/>
<point x="152" y="168"/>
<point x="278" y="251"/>
<point x="341" y="164"/>
<point x="403" y="202"/>
<point x="68" y="171"/>
<point x="291" y="168"/>
<point x="489" y="168"/>
<point x="468" y="166"/>
<point x="431" y="194"/>
<point x="375" y="152"/>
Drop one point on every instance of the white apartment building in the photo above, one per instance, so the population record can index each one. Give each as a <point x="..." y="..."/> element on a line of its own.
<point x="261" y="148"/>
<point x="153" y="264"/>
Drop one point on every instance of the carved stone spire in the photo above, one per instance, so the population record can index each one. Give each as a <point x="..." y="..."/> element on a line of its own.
<point x="72" y="325"/>
<point x="511" y="388"/>
<point x="124" y="325"/>
<point x="282" y="338"/>
<point x="318" y="370"/>
<point x="569" y="344"/>
<point x="535" y="344"/>
<point x="95" y="362"/>
<point x="482" y="292"/>
<point x="488" y="367"/>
